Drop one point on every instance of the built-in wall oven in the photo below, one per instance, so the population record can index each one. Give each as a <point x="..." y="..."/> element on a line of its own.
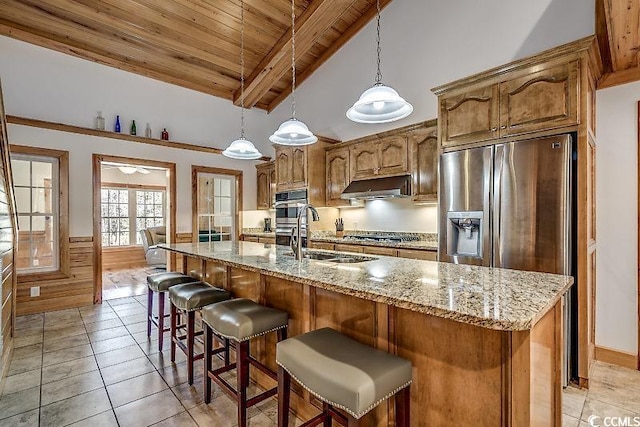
<point x="287" y="206"/>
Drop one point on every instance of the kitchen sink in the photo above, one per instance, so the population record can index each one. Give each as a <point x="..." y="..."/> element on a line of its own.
<point x="337" y="258"/>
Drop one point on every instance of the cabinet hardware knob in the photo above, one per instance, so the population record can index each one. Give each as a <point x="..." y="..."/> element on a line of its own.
<point x="503" y="127"/>
<point x="494" y="129"/>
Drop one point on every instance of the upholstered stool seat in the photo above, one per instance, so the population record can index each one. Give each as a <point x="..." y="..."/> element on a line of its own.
<point x="187" y="299"/>
<point x="239" y="320"/>
<point x="194" y="296"/>
<point x="342" y="372"/>
<point x="160" y="283"/>
<point x="242" y="319"/>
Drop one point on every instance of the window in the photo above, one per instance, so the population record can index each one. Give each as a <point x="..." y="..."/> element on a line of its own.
<point x="36" y="184"/>
<point x="216" y="207"/>
<point x="127" y="211"/>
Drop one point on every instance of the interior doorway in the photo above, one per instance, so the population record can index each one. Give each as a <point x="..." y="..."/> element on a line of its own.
<point x="133" y="210"/>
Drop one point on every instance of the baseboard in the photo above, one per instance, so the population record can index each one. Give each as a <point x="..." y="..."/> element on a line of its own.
<point x="615" y="357"/>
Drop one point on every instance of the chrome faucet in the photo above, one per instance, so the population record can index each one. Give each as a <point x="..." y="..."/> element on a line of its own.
<point x="296" y="232"/>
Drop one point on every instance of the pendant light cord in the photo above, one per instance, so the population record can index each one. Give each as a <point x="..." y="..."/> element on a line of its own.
<point x="242" y="70"/>
<point x="378" y="50"/>
<point x="293" y="59"/>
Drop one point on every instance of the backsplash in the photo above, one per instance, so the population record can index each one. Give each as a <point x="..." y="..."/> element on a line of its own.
<point x="425" y="237"/>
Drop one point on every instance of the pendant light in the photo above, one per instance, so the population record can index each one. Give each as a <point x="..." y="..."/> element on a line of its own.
<point x="293" y="131"/>
<point x="242" y="148"/>
<point x="379" y="103"/>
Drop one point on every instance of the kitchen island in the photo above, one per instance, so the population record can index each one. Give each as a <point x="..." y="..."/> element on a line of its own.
<point x="486" y="344"/>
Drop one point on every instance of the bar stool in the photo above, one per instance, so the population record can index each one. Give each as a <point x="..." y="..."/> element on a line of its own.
<point x="343" y="374"/>
<point x="239" y="321"/>
<point x="188" y="299"/>
<point x="160" y="283"/>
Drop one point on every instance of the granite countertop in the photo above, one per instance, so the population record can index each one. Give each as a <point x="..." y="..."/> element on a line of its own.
<point x="418" y="244"/>
<point x="492" y="298"/>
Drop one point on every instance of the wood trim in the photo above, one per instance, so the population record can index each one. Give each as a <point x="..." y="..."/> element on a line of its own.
<point x="97" y="160"/>
<point x="63" y="208"/>
<point x="619" y="78"/>
<point x="43" y="124"/>
<point x="134" y="186"/>
<point x="615" y="357"/>
<point x="195" y="170"/>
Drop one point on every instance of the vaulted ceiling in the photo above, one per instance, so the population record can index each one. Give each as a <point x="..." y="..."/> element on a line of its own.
<point x="195" y="43"/>
<point x="618" y="31"/>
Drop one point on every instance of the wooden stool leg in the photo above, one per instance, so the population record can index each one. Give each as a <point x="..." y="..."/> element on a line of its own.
<point x="149" y="310"/>
<point x="242" y="372"/>
<point x="208" y="348"/>
<point x="227" y="346"/>
<point x="282" y="334"/>
<point x="174" y="324"/>
<point x="403" y="407"/>
<point x="353" y="422"/>
<point x="327" y="415"/>
<point x="160" y="320"/>
<point x="284" y="390"/>
<point x="191" y="323"/>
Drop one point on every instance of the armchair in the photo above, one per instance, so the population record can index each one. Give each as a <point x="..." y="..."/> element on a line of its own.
<point x="151" y="237"/>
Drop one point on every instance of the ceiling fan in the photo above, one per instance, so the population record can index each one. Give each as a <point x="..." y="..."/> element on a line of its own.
<point x="127" y="169"/>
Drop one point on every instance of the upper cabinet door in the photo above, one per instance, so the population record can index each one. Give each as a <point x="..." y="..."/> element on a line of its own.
<point x="263" y="191"/>
<point x="393" y="156"/>
<point x="470" y="117"/>
<point x="272" y="185"/>
<point x="424" y="151"/>
<point x="337" y="175"/>
<point x="543" y="100"/>
<point x="364" y="160"/>
<point x="298" y="167"/>
<point x="283" y="168"/>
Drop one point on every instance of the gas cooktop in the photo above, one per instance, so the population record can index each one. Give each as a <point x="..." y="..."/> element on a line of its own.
<point x="384" y="238"/>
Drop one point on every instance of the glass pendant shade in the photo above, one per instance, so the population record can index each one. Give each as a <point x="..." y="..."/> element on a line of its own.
<point x="242" y="149"/>
<point x="379" y="104"/>
<point x="293" y="132"/>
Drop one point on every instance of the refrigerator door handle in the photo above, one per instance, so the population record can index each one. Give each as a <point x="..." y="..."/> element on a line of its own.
<point x="496" y="259"/>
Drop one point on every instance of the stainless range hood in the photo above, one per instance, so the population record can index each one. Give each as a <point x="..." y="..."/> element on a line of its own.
<point x="379" y="188"/>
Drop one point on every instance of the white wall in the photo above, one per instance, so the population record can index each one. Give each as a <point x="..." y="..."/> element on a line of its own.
<point x="48" y="85"/>
<point x="81" y="148"/>
<point x="391" y="215"/>
<point x="427" y="44"/>
<point x="617" y="218"/>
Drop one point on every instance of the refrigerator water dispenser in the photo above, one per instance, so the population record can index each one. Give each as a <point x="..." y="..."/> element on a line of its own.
<point x="464" y="233"/>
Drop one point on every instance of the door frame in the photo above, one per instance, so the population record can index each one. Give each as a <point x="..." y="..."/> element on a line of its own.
<point x="195" y="170"/>
<point x="97" y="217"/>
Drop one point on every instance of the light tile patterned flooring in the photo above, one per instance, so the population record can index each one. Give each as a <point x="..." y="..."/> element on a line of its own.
<point x="95" y="366"/>
<point x="127" y="282"/>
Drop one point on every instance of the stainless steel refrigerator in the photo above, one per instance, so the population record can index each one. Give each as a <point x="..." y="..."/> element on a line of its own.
<point x="510" y="206"/>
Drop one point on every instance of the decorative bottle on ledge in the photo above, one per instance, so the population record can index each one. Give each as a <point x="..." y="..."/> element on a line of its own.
<point x="117" y="127"/>
<point x="147" y="131"/>
<point x="100" y="121"/>
<point x="133" y="127"/>
<point x="165" y="134"/>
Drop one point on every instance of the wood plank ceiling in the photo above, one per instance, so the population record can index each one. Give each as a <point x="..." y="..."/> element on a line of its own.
<point x="618" y="31"/>
<point x="195" y="43"/>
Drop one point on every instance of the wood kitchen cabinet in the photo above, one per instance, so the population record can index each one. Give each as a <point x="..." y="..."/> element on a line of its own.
<point x="547" y="94"/>
<point x="376" y="158"/>
<point x="303" y="167"/>
<point x="337" y="175"/>
<point x="423" y="144"/>
<point x="265" y="177"/>
<point x="538" y="98"/>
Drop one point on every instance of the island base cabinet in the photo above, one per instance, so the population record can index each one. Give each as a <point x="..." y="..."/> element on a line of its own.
<point x="463" y="374"/>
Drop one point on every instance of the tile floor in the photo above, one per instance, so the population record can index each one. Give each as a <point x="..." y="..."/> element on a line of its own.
<point x="129" y="282"/>
<point x="95" y="366"/>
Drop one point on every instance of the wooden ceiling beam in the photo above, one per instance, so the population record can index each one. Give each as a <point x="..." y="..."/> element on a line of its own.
<point x="604" y="34"/>
<point x="619" y="77"/>
<point x="313" y="22"/>
<point x="341" y="41"/>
